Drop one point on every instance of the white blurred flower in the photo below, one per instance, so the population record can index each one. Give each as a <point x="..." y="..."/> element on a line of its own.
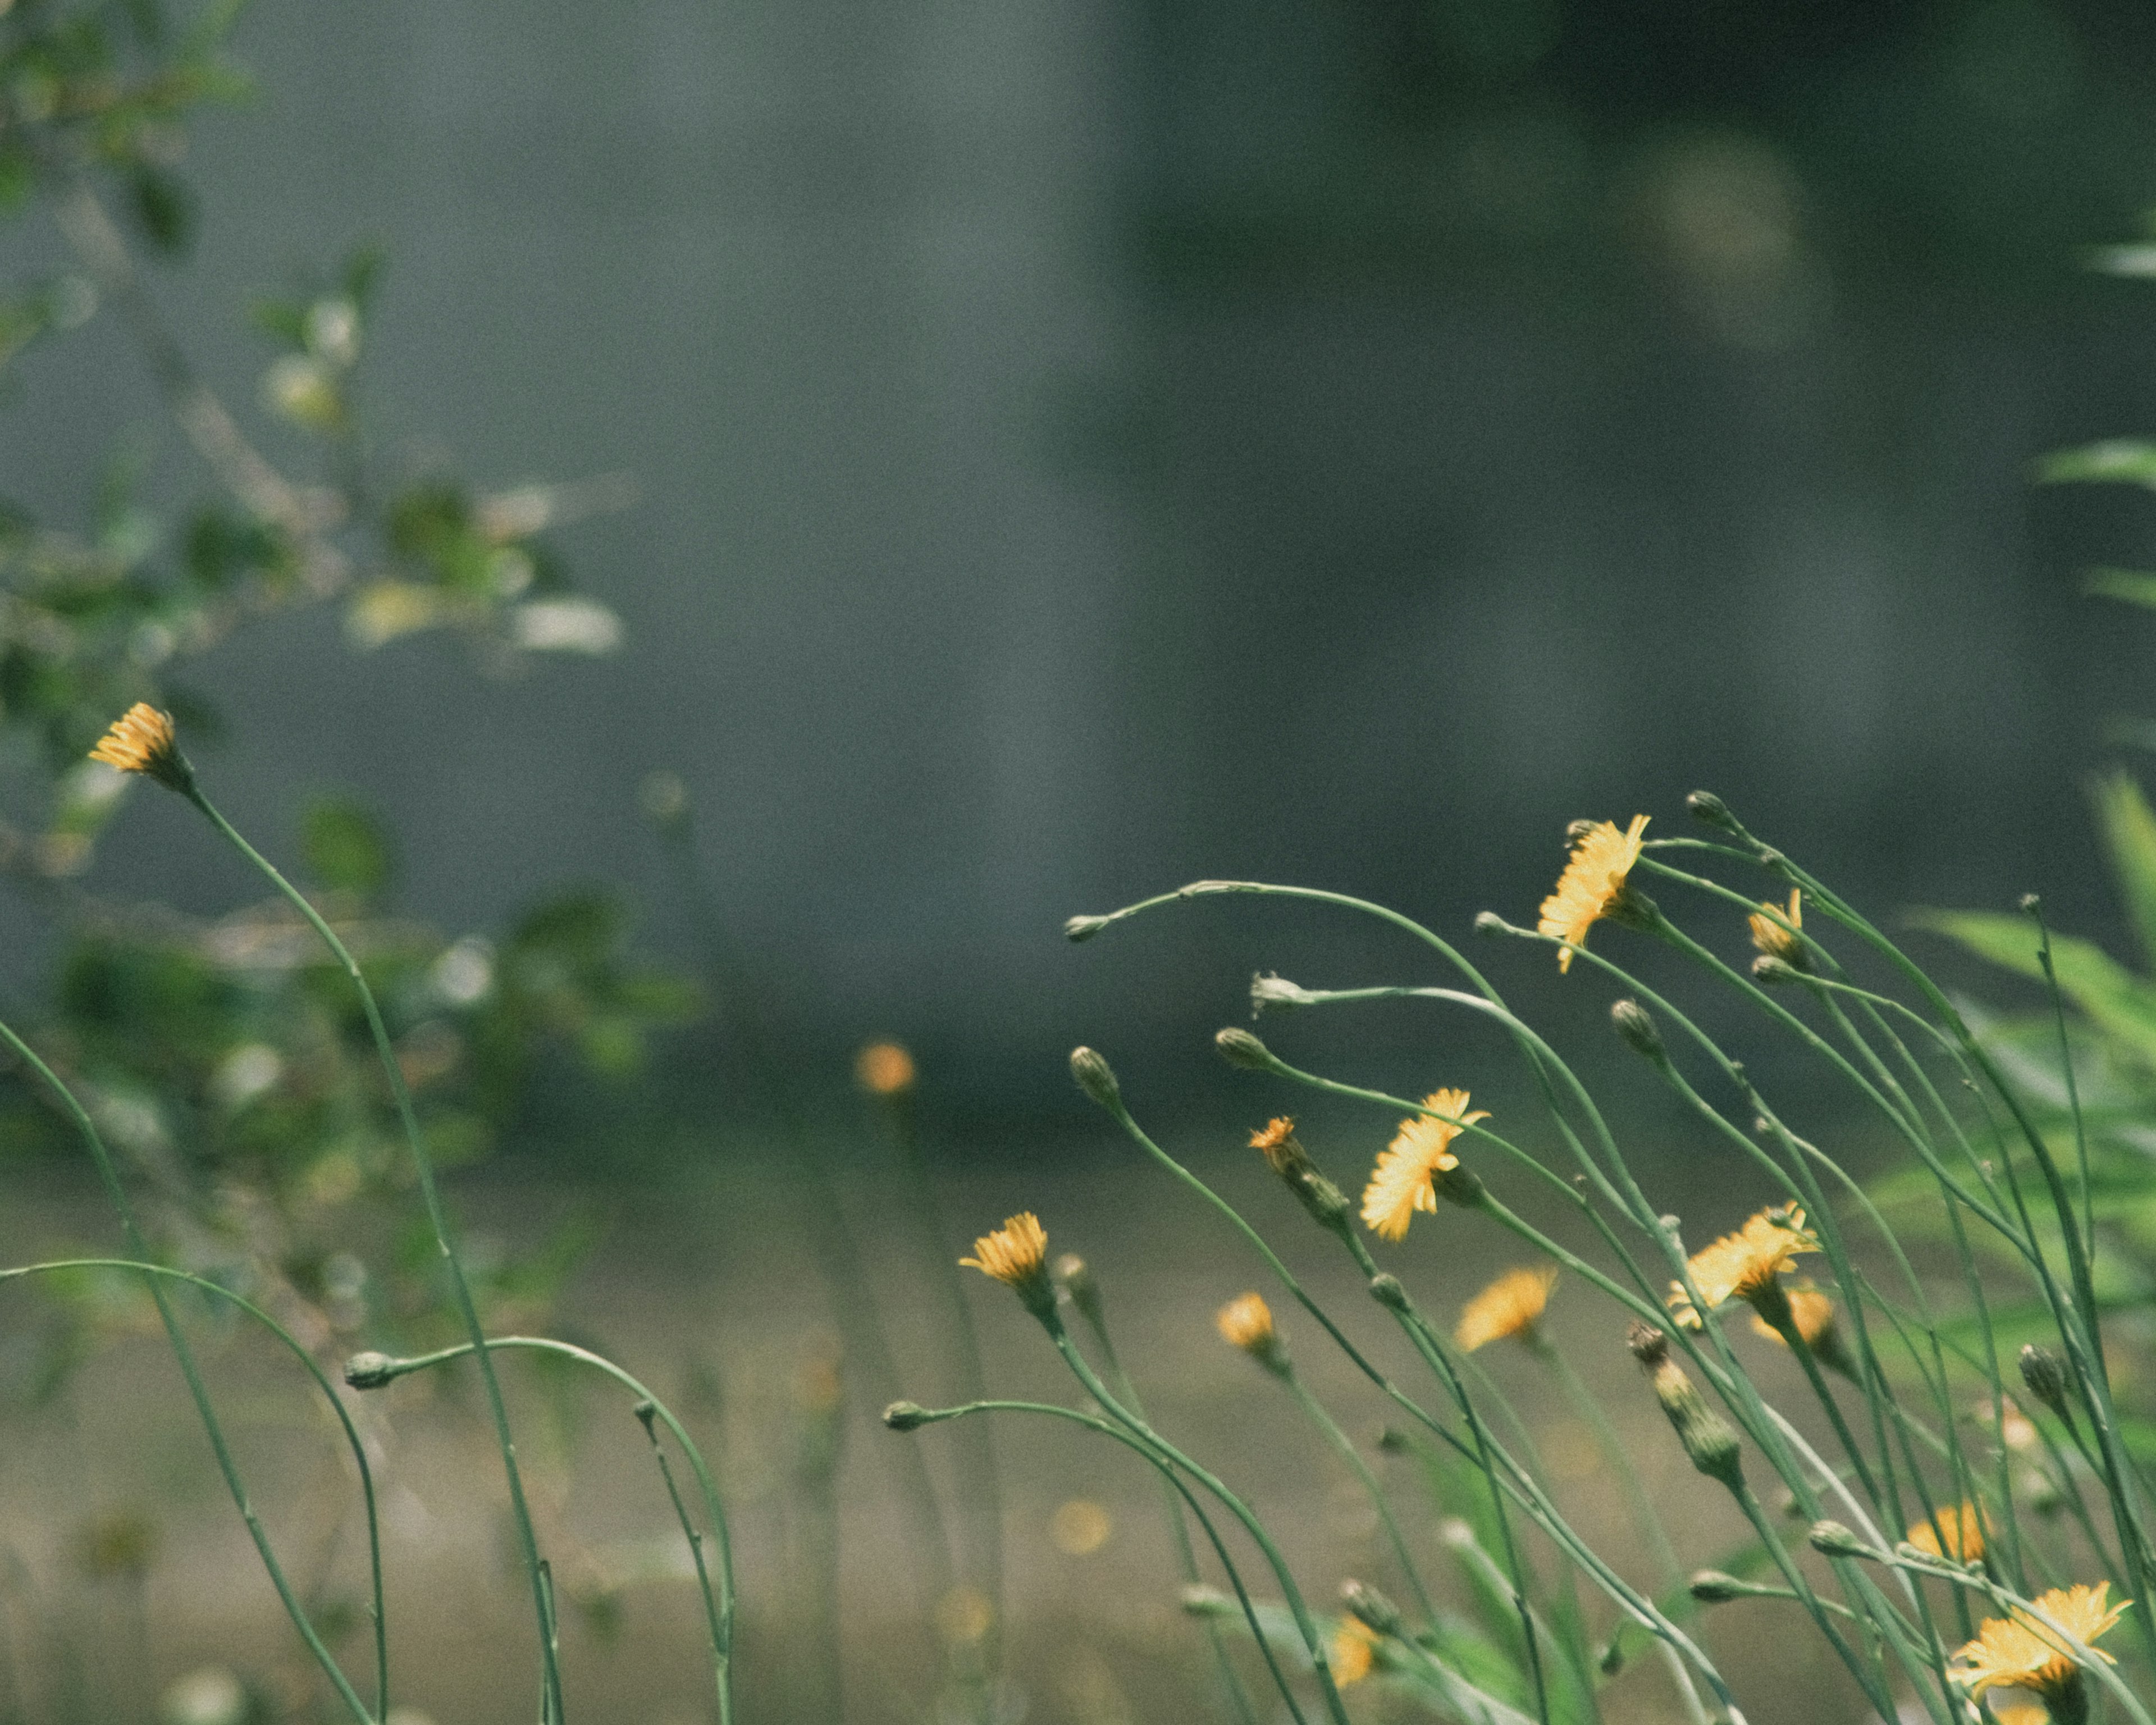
<point x="565" y="626"/>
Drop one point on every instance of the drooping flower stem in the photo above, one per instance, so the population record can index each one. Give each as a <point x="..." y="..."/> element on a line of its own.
<point x="1313" y="1643"/>
<point x="930" y="1416"/>
<point x="460" y="1289"/>
<point x="139" y="1245"/>
<point x="1171" y="1489"/>
<point x="372" y="1371"/>
<point x="353" y="1442"/>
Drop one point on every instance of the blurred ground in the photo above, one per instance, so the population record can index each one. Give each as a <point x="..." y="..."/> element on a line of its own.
<point x="706" y="1291"/>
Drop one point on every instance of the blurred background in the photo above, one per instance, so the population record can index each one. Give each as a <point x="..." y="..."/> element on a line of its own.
<point x="1069" y="450"/>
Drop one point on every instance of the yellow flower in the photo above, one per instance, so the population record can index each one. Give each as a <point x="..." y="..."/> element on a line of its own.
<point x="1776" y="941"/>
<point x="884" y="1069"/>
<point x="140" y="741"/>
<point x="2006" y="1711"/>
<point x="1246" y="1322"/>
<point x="1353" y="1645"/>
<point x="1015" y="1254"/>
<point x="1963" y="1529"/>
<point x="1591" y="885"/>
<point x="2018" y="1652"/>
<point x="1814" y="1315"/>
<point x="1400" y="1183"/>
<point x="1743" y="1265"/>
<point x="1275" y="1138"/>
<point x="1510" y="1306"/>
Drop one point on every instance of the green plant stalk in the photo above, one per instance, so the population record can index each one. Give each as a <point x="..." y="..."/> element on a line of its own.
<point x="1320" y="1658"/>
<point x="1344" y="1447"/>
<point x="1754" y="1418"/>
<point x="2066" y="1067"/>
<point x="832" y="1239"/>
<point x="1541" y="1059"/>
<point x="1425" y="1343"/>
<point x="1977" y="1581"/>
<point x="719" y="1612"/>
<point x="1172" y="1492"/>
<point x="314" y="1370"/>
<point x="2083" y="1345"/>
<point x="1644" y="1520"/>
<point x="973" y="1380"/>
<point x="1519" y="1484"/>
<point x="1153" y="1457"/>
<point x="527" y="1538"/>
<point x="188" y="1370"/>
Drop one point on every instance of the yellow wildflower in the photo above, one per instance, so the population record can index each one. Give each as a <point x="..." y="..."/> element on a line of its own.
<point x="2018" y="1652"/>
<point x="1964" y="1532"/>
<point x="1353" y="1651"/>
<point x="1592" y="884"/>
<point x="1510" y="1306"/>
<point x="1744" y="1265"/>
<point x="1776" y="941"/>
<point x="1275" y="1138"/>
<point x="1246" y="1322"/>
<point x="140" y="741"/>
<point x="1814" y="1315"/>
<point x="1401" y="1183"/>
<point x="1015" y="1254"/>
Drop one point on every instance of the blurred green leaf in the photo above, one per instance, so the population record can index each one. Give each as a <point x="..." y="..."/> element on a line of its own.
<point x="2132" y="587"/>
<point x="2129" y="834"/>
<point x="2120" y="1002"/>
<point x="163" y="208"/>
<point x="346" y="848"/>
<point x="2118" y="460"/>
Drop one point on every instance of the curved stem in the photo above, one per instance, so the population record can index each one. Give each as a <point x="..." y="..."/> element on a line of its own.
<point x="526" y="1538"/>
<point x="188" y="1370"/>
<point x="352" y="1441"/>
<point x="1130" y="1441"/>
<point x="719" y="1613"/>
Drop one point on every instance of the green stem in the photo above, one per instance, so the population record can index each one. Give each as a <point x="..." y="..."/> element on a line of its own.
<point x="1320" y="1658"/>
<point x="188" y="1370"/>
<point x="526" y="1538"/>
<point x="930" y="1416"/>
<point x="352" y="1441"/>
<point x="719" y="1612"/>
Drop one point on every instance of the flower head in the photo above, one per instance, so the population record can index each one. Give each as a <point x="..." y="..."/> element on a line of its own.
<point x="1510" y="1306"/>
<point x="140" y="741"/>
<point x="1016" y="1255"/>
<point x="884" y="1069"/>
<point x="1403" y="1181"/>
<point x="1592" y="885"/>
<point x="1353" y="1651"/>
<point x="2018" y="1652"/>
<point x="1744" y="1265"/>
<point x="1954" y="1534"/>
<point x="1275" y="1138"/>
<point x="1246" y="1322"/>
<point x="1812" y="1315"/>
<point x="1772" y="938"/>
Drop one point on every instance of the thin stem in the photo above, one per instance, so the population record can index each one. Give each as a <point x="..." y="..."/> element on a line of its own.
<point x="351" y="1437"/>
<point x="196" y="1389"/>
<point x="719" y="1612"/>
<point x="526" y="1538"/>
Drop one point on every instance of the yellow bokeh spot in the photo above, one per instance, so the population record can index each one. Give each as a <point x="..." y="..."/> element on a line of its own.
<point x="1080" y="1527"/>
<point x="963" y="1616"/>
